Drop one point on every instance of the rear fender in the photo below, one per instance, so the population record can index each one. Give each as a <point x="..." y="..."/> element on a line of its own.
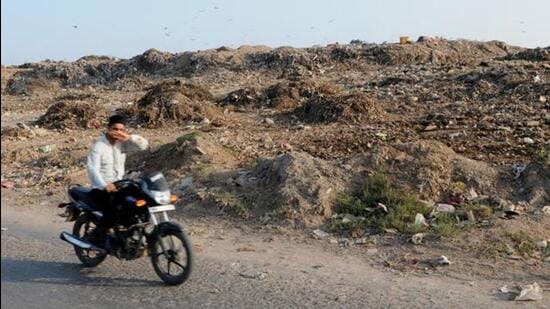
<point x="71" y="211"/>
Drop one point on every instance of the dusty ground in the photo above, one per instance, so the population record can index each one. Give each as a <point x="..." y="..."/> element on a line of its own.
<point x="271" y="137"/>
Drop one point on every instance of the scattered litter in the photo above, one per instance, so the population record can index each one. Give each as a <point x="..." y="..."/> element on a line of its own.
<point x="445" y="208"/>
<point x="442" y="260"/>
<point x="319" y="234"/>
<point x="8" y="184"/>
<point x="529" y="292"/>
<point x="419" y="220"/>
<point x="417" y="238"/>
<point x="47" y="148"/>
<point x="382" y="206"/>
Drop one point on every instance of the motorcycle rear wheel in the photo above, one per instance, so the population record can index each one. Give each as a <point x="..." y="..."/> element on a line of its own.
<point x="82" y="228"/>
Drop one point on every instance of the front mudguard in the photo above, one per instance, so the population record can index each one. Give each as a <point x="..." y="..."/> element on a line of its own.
<point x="161" y="229"/>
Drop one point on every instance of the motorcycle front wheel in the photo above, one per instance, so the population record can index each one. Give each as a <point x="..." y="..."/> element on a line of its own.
<point x="171" y="256"/>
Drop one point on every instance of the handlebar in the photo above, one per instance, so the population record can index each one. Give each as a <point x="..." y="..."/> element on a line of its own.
<point x="119" y="184"/>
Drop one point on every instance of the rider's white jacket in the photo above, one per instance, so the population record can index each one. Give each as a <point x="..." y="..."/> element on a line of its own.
<point x="106" y="162"/>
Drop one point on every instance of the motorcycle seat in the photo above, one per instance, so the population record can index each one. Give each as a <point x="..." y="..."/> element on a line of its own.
<point x="83" y="194"/>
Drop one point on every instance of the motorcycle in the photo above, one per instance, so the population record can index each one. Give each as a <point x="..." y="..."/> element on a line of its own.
<point x="142" y="227"/>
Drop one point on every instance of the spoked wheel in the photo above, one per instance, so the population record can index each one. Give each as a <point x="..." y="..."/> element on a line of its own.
<point x="171" y="256"/>
<point x="82" y="229"/>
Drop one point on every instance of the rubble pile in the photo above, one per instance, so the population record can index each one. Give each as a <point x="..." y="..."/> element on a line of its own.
<point x="73" y="115"/>
<point x="173" y="102"/>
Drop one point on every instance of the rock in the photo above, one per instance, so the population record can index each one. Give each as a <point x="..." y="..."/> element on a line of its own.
<point x="253" y="274"/>
<point x="242" y="180"/>
<point x="372" y="251"/>
<point x="528" y="140"/>
<point x="185" y="183"/>
<point x="445" y="208"/>
<point x="546" y="210"/>
<point x="533" y="123"/>
<point x="417" y="238"/>
<point x="269" y="121"/>
<point x="431" y="127"/>
<point x="530" y="292"/>
<point x="542" y="244"/>
<point x="286" y="146"/>
<point x="319" y="234"/>
<point x="419" y="220"/>
<point x="205" y="121"/>
<point x="542" y="99"/>
<point x="344" y="242"/>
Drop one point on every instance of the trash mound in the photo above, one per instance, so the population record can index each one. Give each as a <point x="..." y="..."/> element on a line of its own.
<point x="26" y="83"/>
<point x="244" y="97"/>
<point x="152" y="60"/>
<point x="173" y="102"/>
<point x="15" y="133"/>
<point x="436" y="51"/>
<point x="188" y="149"/>
<point x="282" y="96"/>
<point x="73" y="115"/>
<point x="431" y="168"/>
<point x="536" y="54"/>
<point x="289" y="94"/>
<point x="298" y="185"/>
<point x="286" y="58"/>
<point x="353" y="107"/>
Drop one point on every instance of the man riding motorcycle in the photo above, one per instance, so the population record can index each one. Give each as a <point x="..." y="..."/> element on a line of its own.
<point x="106" y="164"/>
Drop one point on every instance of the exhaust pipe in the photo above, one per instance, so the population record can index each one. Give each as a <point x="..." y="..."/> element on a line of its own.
<point x="75" y="241"/>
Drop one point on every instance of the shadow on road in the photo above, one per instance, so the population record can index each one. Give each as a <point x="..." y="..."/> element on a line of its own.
<point x="62" y="273"/>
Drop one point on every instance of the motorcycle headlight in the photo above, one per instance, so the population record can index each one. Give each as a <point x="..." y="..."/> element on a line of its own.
<point x="161" y="197"/>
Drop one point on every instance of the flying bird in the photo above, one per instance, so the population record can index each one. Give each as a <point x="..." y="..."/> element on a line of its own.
<point x="75" y="26"/>
<point x="216" y="8"/>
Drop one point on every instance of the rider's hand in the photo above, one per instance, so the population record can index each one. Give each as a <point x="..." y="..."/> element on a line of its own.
<point x="120" y="136"/>
<point x="110" y="187"/>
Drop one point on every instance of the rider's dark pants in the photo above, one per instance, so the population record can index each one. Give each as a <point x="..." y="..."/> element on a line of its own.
<point x="106" y="204"/>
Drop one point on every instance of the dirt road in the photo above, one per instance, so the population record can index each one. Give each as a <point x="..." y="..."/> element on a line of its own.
<point x="41" y="271"/>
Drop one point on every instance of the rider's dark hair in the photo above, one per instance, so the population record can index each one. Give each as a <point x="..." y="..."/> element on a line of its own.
<point x="117" y="118"/>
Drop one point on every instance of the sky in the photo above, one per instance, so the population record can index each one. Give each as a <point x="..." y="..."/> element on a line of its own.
<point x="35" y="30"/>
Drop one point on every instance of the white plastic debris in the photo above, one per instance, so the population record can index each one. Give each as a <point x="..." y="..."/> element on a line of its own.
<point x="443" y="260"/>
<point x="319" y="234"/>
<point x="530" y="292"/>
<point x="420" y="220"/>
<point x="417" y="238"/>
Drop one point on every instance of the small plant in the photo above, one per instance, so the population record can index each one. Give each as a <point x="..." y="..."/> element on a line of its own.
<point x="523" y="243"/>
<point x="480" y="211"/>
<point x="353" y="226"/>
<point x="402" y="206"/>
<point x="187" y="137"/>
<point x="543" y="156"/>
<point x="445" y="225"/>
<point x="239" y="206"/>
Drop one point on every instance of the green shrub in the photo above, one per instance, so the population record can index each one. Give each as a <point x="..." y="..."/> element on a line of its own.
<point x="402" y="206"/>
